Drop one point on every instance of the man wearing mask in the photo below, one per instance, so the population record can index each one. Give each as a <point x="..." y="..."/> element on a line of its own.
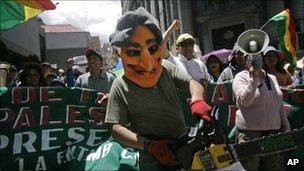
<point x="144" y="109"/>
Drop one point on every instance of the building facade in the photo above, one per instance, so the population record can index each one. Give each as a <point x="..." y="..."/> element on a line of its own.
<point x="216" y="24"/>
<point x="60" y="42"/>
<point x="23" y="38"/>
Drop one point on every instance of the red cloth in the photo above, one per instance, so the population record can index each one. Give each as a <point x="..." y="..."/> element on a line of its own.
<point x="201" y="109"/>
<point x="39" y="4"/>
<point x="161" y="152"/>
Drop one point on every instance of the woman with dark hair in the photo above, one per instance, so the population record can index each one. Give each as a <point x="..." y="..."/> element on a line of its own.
<point x="272" y="65"/>
<point x="32" y="75"/>
<point x="260" y="112"/>
<point x="214" y="66"/>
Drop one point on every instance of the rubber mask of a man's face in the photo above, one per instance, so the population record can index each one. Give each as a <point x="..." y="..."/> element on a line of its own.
<point x="142" y="58"/>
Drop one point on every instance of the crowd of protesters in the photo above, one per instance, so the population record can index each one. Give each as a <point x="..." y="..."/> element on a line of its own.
<point x="36" y="74"/>
<point x="211" y="70"/>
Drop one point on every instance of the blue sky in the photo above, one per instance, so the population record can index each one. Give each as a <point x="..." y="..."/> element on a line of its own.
<point x="97" y="17"/>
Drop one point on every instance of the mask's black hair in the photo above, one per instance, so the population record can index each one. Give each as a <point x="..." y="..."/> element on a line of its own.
<point x="127" y="24"/>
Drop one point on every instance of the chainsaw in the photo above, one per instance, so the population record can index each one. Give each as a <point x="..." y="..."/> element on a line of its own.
<point x="206" y="146"/>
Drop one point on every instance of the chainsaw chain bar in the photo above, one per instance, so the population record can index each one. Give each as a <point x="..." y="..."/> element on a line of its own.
<point x="270" y="144"/>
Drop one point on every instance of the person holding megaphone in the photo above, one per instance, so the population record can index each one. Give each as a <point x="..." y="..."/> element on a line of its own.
<point x="259" y="100"/>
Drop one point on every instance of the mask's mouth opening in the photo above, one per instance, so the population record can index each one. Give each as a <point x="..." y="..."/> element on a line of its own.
<point x="141" y="72"/>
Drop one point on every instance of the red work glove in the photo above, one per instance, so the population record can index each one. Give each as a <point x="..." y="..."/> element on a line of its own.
<point x="161" y="152"/>
<point x="201" y="109"/>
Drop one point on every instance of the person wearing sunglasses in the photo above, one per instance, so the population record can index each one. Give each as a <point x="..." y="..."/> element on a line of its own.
<point x="194" y="67"/>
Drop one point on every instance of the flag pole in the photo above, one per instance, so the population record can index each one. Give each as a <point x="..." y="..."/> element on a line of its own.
<point x="265" y="24"/>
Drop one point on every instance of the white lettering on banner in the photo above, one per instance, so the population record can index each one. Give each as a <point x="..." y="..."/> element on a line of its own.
<point x="93" y="137"/>
<point x="6" y="112"/>
<point x="21" y="163"/>
<point x="23" y="112"/>
<point x="45" y="144"/>
<point x="94" y="155"/>
<point x="97" y="115"/>
<point x="27" y="117"/>
<point x="3" y="141"/>
<point x="125" y="152"/>
<point x="81" y="153"/>
<point x="48" y="140"/>
<point x="45" y="95"/>
<point x="40" y="164"/>
<point x="60" y="156"/>
<point x="137" y="155"/>
<point x="28" y="145"/>
<point x="70" y="153"/>
<point x="106" y="149"/>
<point x="72" y="113"/>
<point x="102" y="150"/>
<point x="45" y="114"/>
<point x="72" y="134"/>
<point x="29" y="91"/>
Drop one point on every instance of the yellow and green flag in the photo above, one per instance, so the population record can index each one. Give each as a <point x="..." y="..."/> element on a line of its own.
<point x="287" y="35"/>
<point x="14" y="12"/>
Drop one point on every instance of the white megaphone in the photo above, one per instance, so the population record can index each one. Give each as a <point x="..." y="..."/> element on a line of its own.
<point x="252" y="43"/>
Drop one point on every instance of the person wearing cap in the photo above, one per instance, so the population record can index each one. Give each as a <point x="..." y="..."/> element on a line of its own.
<point x="272" y="65"/>
<point x="260" y="112"/>
<point x="144" y="109"/>
<point x="187" y="59"/>
<point x="46" y="68"/>
<point x="176" y="24"/>
<point x="194" y="67"/>
<point x="236" y="64"/>
<point x="50" y="72"/>
<point x="167" y="54"/>
<point x="97" y="79"/>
